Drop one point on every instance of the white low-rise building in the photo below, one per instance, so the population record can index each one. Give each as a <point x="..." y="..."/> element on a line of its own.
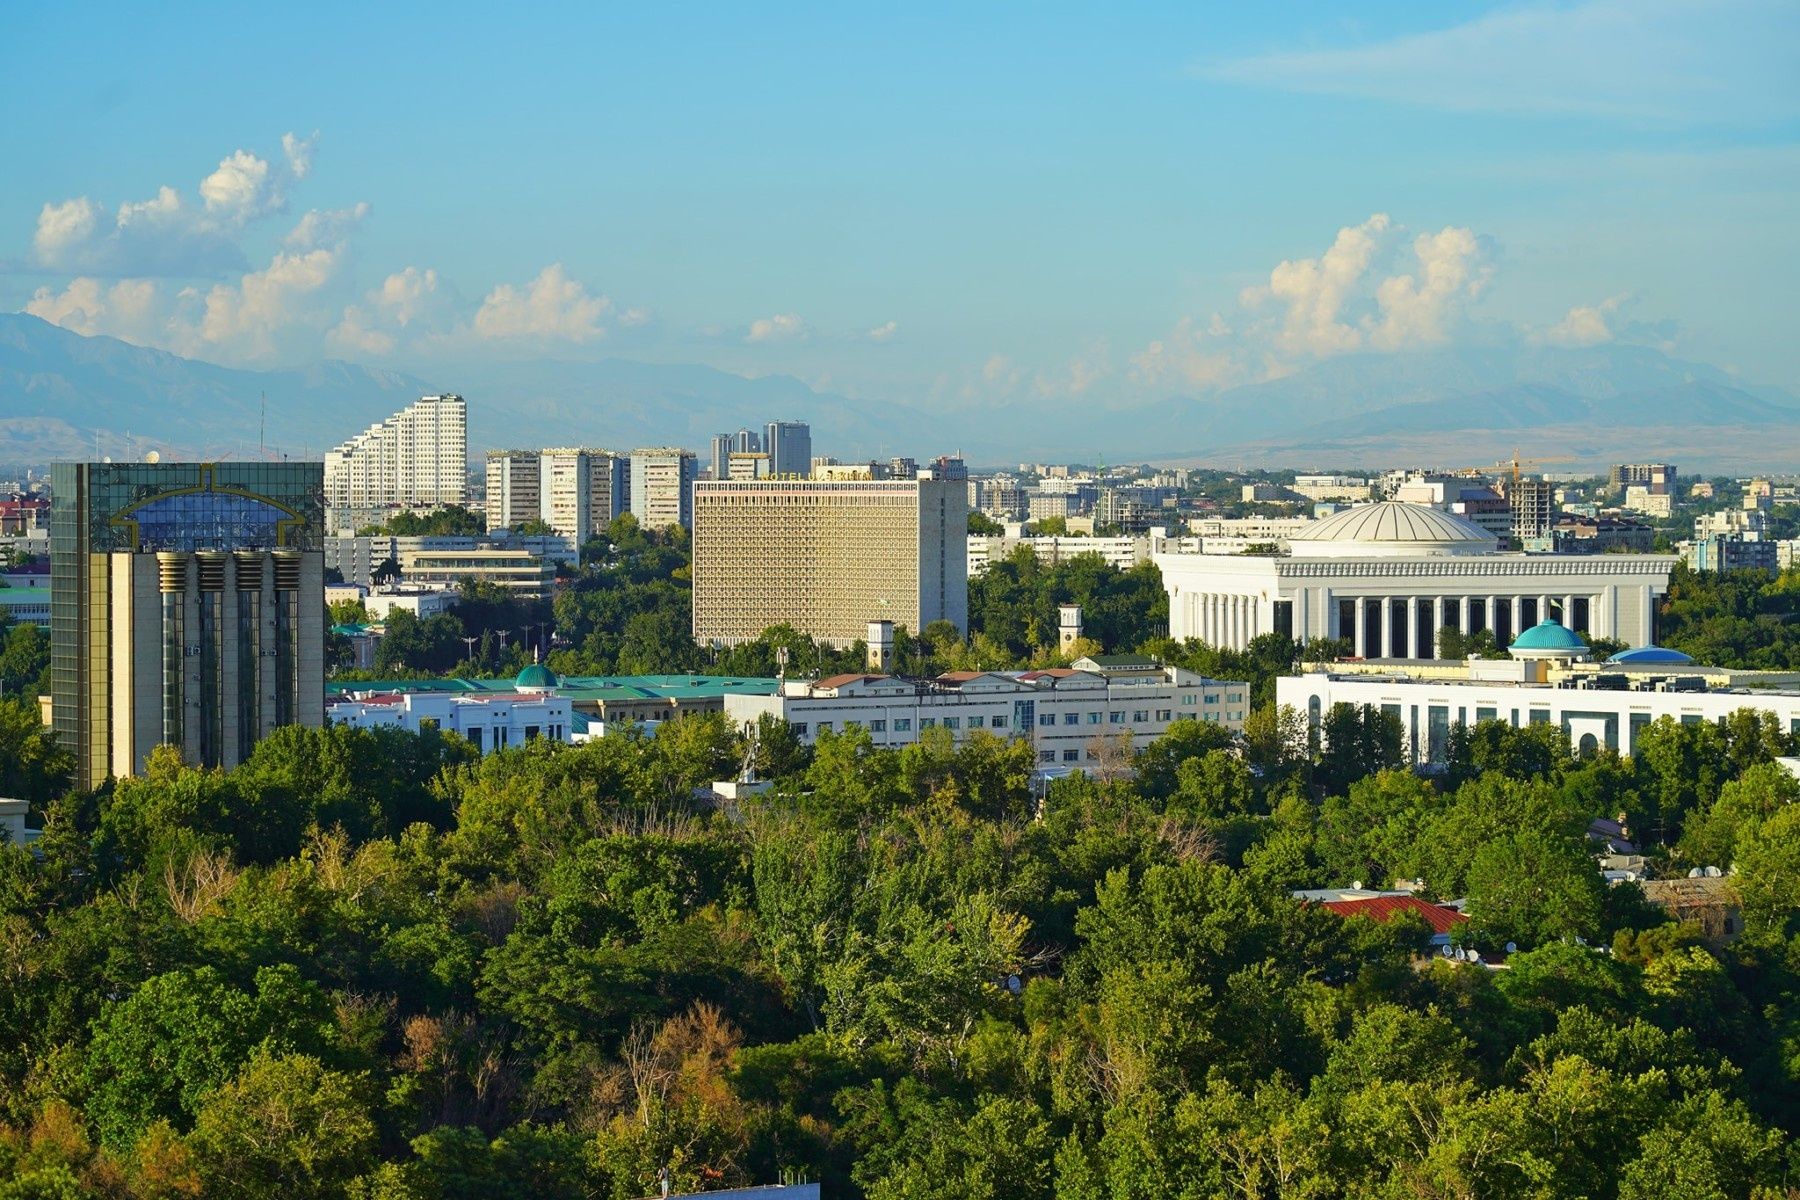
<point x="1597" y="705"/>
<point x="489" y="720"/>
<point x="1387" y="577"/>
<point x="1062" y="711"/>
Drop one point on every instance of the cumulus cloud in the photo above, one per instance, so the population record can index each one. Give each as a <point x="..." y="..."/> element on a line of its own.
<point x="326" y="227"/>
<point x="167" y="235"/>
<point x="1374" y="288"/>
<point x="1191" y="356"/>
<point x="551" y="307"/>
<point x="1597" y="324"/>
<point x="781" y="327"/>
<point x="128" y="308"/>
<point x="1416" y="308"/>
<point x="1313" y="291"/>
<point x="884" y="331"/>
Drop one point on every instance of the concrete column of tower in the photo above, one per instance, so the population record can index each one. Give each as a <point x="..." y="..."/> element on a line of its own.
<point x="1437" y="622"/>
<point x="1518" y="614"/>
<point x="1568" y="612"/>
<point x="1360" y="635"/>
<point x="1487" y="612"/>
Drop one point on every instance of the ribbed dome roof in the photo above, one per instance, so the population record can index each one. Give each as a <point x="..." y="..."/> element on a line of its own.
<point x="1550" y="635"/>
<point x="1391" y="527"/>
<point x="536" y="678"/>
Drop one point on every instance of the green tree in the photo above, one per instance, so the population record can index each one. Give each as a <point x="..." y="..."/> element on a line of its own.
<point x="159" y="1052"/>
<point x="33" y="766"/>
<point x="1532" y="888"/>
<point x="285" y="1126"/>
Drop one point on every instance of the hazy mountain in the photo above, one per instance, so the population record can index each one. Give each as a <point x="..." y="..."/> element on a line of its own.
<point x="57" y="388"/>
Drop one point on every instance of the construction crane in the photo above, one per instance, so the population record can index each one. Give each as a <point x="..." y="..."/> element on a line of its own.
<point x="1516" y="464"/>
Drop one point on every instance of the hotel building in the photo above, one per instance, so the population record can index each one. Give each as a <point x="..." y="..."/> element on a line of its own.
<point x="187" y="609"/>
<point x="828" y="557"/>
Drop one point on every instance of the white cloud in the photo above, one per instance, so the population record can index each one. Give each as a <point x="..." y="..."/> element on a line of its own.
<point x="1673" y="61"/>
<point x="1189" y="357"/>
<point x="246" y="320"/>
<point x="61" y="227"/>
<point x="632" y="318"/>
<point x="884" y="331"/>
<point x="355" y="337"/>
<point x="1415" y="309"/>
<point x="326" y="226"/>
<point x="779" y="328"/>
<point x="1314" y="290"/>
<point x="128" y="308"/>
<point x="1587" y="324"/>
<point x="551" y="307"/>
<point x="167" y="236"/>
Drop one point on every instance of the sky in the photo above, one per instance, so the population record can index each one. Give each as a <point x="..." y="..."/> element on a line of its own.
<point x="940" y="205"/>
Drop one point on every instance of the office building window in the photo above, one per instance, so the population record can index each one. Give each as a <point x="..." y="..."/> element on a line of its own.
<point x="1047" y="756"/>
<point x="1164" y="714"/>
<point x="952" y="722"/>
<point x="1071" y="756"/>
<point x="1093" y="718"/>
<point x="878" y="726"/>
<point x="800" y="728"/>
<point x="1116" y="717"/>
<point x="975" y="721"/>
<point x="1046" y="718"/>
<point x="474" y="736"/>
<point x="1071" y="718"/>
<point x="824" y="726"/>
<point x="927" y="722"/>
<point x="998" y="722"/>
<point x="1139" y="716"/>
<point x="1187" y="702"/>
<point x="902" y="724"/>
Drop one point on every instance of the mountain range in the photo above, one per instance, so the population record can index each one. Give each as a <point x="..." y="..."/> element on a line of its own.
<point x="63" y="395"/>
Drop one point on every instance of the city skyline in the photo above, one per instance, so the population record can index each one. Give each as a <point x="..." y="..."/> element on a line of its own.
<point x="1032" y="208"/>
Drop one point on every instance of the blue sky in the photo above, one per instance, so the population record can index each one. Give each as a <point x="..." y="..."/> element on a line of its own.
<point x="914" y="201"/>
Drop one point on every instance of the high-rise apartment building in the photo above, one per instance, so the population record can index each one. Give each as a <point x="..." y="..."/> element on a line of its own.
<point x="662" y="487"/>
<point x="789" y="447"/>
<point x="1658" y="479"/>
<point x="828" y="557"/>
<point x="417" y="458"/>
<point x="1533" y="508"/>
<point x="514" y="488"/>
<point x="583" y="490"/>
<point x="188" y="609"/>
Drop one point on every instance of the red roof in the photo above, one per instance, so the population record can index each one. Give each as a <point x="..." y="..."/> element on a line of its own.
<point x="838" y="681"/>
<point x="1384" y="908"/>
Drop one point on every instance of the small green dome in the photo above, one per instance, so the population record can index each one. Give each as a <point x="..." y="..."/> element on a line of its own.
<point x="1549" y="637"/>
<point x="536" y="678"/>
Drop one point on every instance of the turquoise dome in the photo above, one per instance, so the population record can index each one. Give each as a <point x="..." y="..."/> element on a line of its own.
<point x="536" y="678"/>
<point x="1650" y="656"/>
<point x="1549" y="638"/>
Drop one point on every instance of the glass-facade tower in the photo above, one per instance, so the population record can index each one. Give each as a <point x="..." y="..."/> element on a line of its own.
<point x="187" y="608"/>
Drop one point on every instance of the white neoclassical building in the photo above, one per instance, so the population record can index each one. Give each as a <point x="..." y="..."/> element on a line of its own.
<point x="1388" y="576"/>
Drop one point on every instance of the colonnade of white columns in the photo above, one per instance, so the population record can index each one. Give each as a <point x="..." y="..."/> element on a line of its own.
<point x="1225" y="620"/>
<point x="1405" y="638"/>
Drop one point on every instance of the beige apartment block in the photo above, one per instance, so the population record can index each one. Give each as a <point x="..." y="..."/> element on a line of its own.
<point x="828" y="556"/>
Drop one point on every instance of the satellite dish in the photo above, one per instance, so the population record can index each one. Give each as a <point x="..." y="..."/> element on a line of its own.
<point x="106" y="459"/>
<point x="1713" y="872"/>
<point x="1512" y="947"/>
<point x="1695" y="873"/>
<point x="1474" y="956"/>
<point x="155" y="456"/>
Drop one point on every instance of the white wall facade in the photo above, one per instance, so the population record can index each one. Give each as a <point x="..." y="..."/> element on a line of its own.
<point x="1391" y="607"/>
<point x="1061" y="712"/>
<point x="1612" y="719"/>
<point x="489" y="722"/>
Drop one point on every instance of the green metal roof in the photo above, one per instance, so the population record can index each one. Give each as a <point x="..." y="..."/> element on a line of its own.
<point x="579" y="687"/>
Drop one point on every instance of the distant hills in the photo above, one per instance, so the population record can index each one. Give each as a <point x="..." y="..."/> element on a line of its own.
<point x="1452" y="407"/>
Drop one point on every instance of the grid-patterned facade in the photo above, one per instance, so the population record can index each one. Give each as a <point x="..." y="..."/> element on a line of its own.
<point x="827" y="557"/>
<point x="417" y="458"/>
<point x="513" y="488"/>
<point x="662" y="483"/>
<point x="187" y="609"/>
